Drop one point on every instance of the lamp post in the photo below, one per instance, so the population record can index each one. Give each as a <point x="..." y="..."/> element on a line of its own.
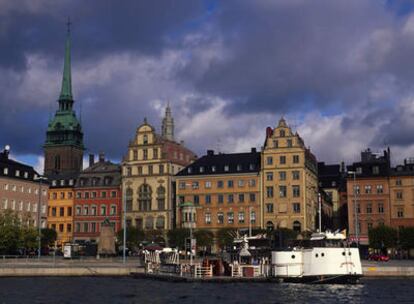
<point x="320" y="211"/>
<point x="124" y="223"/>
<point x="250" y="221"/>
<point x="355" y="208"/>
<point x="39" y="216"/>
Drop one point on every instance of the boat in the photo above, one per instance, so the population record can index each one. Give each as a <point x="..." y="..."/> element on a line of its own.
<point x="324" y="258"/>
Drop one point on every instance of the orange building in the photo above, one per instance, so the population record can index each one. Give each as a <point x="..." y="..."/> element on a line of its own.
<point x="224" y="189"/>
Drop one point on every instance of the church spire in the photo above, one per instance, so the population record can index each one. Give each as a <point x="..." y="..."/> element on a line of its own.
<point x="66" y="91"/>
<point x="168" y="124"/>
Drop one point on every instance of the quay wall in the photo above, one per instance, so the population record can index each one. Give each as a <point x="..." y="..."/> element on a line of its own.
<point x="388" y="271"/>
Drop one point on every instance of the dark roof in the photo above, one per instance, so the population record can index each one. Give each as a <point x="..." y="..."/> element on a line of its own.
<point x="100" y="174"/>
<point x="330" y="176"/>
<point x="26" y="172"/>
<point x="62" y="180"/>
<point x="213" y="164"/>
<point x="407" y="169"/>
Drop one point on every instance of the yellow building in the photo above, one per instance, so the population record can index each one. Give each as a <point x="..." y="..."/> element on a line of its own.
<point x="224" y="189"/>
<point x="148" y="170"/>
<point x="60" y="209"/>
<point x="289" y="181"/>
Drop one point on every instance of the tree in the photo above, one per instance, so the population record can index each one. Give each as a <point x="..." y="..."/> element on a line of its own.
<point x="28" y="237"/>
<point x="205" y="238"/>
<point x="382" y="237"/>
<point x="176" y="237"/>
<point x="407" y="237"/>
<point x="49" y="237"/>
<point x="134" y="235"/>
<point x="281" y="236"/>
<point x="9" y="232"/>
<point x="225" y="237"/>
<point x="155" y="236"/>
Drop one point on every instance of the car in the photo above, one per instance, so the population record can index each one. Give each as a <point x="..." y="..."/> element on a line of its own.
<point x="378" y="257"/>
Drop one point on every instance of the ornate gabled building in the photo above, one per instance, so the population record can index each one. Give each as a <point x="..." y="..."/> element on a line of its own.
<point x="289" y="180"/>
<point x="148" y="171"/>
<point x="63" y="151"/>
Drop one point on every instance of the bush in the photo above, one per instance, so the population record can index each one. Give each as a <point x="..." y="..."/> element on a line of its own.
<point x="382" y="237"/>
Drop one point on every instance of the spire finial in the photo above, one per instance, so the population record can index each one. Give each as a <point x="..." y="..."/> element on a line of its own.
<point x="68" y="24"/>
<point x="66" y="91"/>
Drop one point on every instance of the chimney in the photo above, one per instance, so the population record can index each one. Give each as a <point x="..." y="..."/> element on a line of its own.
<point x="210" y="152"/>
<point x="101" y="157"/>
<point x="253" y="150"/>
<point x="6" y="151"/>
<point x="91" y="159"/>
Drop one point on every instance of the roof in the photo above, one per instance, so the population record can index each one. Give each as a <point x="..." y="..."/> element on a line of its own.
<point x="233" y="163"/>
<point x="15" y="169"/>
<point x="100" y="174"/>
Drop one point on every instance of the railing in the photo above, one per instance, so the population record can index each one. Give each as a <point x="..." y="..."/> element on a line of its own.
<point x="203" y="272"/>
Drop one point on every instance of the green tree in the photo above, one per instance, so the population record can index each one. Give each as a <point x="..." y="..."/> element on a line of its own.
<point x="205" y="238"/>
<point x="9" y="232"/>
<point x="28" y="237"/>
<point x="225" y="237"/>
<point x="176" y="237"/>
<point x="49" y="237"/>
<point x="155" y="236"/>
<point x="407" y="237"/>
<point x="382" y="237"/>
<point x="135" y="236"/>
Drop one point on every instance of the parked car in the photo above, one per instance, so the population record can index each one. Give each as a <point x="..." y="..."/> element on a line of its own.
<point x="378" y="257"/>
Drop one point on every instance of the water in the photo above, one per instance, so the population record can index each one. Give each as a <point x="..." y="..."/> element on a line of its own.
<point x="129" y="290"/>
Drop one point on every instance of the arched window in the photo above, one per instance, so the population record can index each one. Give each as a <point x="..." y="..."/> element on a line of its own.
<point x="161" y="198"/>
<point x="149" y="222"/>
<point x="103" y="209"/>
<point x="160" y="224"/>
<point x="270" y="226"/>
<point x="297" y="226"/>
<point x="144" y="197"/>
<point x="282" y="133"/>
<point x="128" y="202"/>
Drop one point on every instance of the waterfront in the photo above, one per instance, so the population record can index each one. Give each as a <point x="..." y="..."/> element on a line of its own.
<point x="129" y="290"/>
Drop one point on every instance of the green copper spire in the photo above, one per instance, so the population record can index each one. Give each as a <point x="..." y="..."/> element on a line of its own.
<point x="66" y="92"/>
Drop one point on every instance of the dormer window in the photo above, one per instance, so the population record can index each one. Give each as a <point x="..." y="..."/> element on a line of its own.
<point x="190" y="170"/>
<point x="71" y="182"/>
<point x="213" y="168"/>
<point x="62" y="182"/>
<point x="359" y="170"/>
<point x="226" y="168"/>
<point x="17" y="173"/>
<point x="239" y="167"/>
<point x="201" y="169"/>
<point x="145" y="139"/>
<point x="6" y="171"/>
<point x="53" y="183"/>
<point x="251" y="166"/>
<point x="282" y="133"/>
<point x="26" y="174"/>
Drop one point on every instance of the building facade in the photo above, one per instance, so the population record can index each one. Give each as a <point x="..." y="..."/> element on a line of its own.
<point x="148" y="172"/>
<point x="289" y="180"/>
<point x="63" y="151"/>
<point x="368" y="194"/>
<point x="22" y="192"/>
<point x="98" y="197"/>
<point x="220" y="191"/>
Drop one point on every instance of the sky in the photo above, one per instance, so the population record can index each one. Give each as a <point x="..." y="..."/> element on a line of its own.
<point x="340" y="72"/>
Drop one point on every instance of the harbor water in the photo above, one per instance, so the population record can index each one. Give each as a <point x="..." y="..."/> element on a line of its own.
<point x="129" y="290"/>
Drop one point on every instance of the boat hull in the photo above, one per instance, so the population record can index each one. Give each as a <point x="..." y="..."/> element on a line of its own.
<point x="330" y="279"/>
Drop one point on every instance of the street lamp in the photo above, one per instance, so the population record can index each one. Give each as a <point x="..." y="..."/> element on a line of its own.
<point x="355" y="208"/>
<point x="250" y="221"/>
<point x="124" y="223"/>
<point x="320" y="211"/>
<point x="39" y="178"/>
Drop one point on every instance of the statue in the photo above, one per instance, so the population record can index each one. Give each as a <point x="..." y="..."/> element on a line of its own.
<point x="106" y="244"/>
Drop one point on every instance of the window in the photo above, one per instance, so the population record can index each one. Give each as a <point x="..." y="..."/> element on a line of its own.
<point x="195" y="185"/>
<point x="296" y="191"/>
<point x="359" y="170"/>
<point x="150" y="170"/>
<point x="145" y="154"/>
<point x="161" y="198"/>
<point x="375" y="170"/>
<point x="296" y="207"/>
<point x="295" y="175"/>
<point x="196" y="199"/>
<point x="103" y="210"/>
<point x="229" y="184"/>
<point x="144" y="197"/>
<point x="53" y="211"/>
<point x="60" y="227"/>
<point x="155" y="153"/>
<point x="269" y="191"/>
<point x="282" y="175"/>
<point x="269" y="160"/>
<point x="129" y="171"/>
<point x="213" y="169"/>
<point x="400" y="212"/>
<point x="399" y="195"/>
<point x="78" y="210"/>
<point x="93" y="210"/>
<point x="207" y="199"/>
<point x="241" y="217"/>
<point x="253" y="217"/>
<point x="181" y="185"/>
<point x="17" y="173"/>
<point x="161" y="169"/>
<point x="220" y="184"/>
<point x="220" y="218"/>
<point x="369" y="225"/>
<point x="128" y="199"/>
<point x="282" y="133"/>
<point x="77" y="227"/>
<point x="230" y="198"/>
<point x="54" y="195"/>
<point x="369" y="208"/>
<point x="356" y="189"/>
<point x="103" y="194"/>
<point x="358" y="208"/>
<point x="85" y="210"/>
<point x="275" y="144"/>
<point x="241" y="198"/>
<point x="269" y="208"/>
<point x="6" y="171"/>
<point x="252" y="167"/>
<point x="239" y="167"/>
<point x="226" y="168"/>
<point x="6" y="187"/>
<point x="207" y="184"/>
<point x="201" y="169"/>
<point x="269" y="176"/>
<point x="61" y="211"/>
<point x="145" y="139"/>
<point x="289" y="143"/>
<point x="160" y="222"/>
<point x="252" y="182"/>
<point x="220" y="198"/>
<point x="252" y="197"/>
<point x="113" y="193"/>
<point x="380" y="189"/>
<point x="93" y="194"/>
<point x="113" y="210"/>
<point x="398" y="182"/>
<point x="207" y="218"/>
<point x="85" y="227"/>
<point x="367" y="189"/>
<point x="240" y="183"/>
<point x="230" y="217"/>
<point x="78" y="194"/>
<point x="135" y="154"/>
<point x="282" y="191"/>
<point x="296" y="159"/>
<point x="69" y="227"/>
<point x="380" y="208"/>
<point x="93" y="227"/>
<point x="4" y="203"/>
<point x="140" y="170"/>
<point x="282" y="160"/>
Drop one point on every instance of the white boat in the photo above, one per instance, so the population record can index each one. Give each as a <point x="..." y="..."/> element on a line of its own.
<point x="324" y="258"/>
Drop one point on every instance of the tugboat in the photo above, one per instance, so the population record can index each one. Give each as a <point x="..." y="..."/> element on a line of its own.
<point x="325" y="258"/>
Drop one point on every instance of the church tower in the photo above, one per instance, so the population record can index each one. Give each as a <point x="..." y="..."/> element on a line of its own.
<point x="168" y="125"/>
<point x="64" y="147"/>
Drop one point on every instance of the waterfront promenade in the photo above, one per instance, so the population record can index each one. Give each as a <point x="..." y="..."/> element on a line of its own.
<point x="49" y="266"/>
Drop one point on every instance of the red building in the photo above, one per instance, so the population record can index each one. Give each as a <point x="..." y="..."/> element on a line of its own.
<point x="98" y="197"/>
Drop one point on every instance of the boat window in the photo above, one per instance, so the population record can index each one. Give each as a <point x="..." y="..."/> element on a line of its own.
<point x="316" y="255"/>
<point x="322" y="254"/>
<point x="293" y="256"/>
